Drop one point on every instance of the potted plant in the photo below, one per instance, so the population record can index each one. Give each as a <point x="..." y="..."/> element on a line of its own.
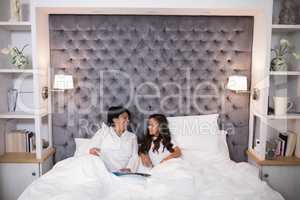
<point x="16" y="56"/>
<point x="282" y="55"/>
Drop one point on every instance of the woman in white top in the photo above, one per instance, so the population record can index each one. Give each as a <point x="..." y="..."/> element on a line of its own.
<point x="158" y="146"/>
<point x="115" y="145"/>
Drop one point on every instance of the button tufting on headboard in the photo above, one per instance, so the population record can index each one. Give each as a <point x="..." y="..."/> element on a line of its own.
<point x="177" y="65"/>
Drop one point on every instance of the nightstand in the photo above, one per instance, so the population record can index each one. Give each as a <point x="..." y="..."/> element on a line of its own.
<point x="282" y="174"/>
<point x="18" y="170"/>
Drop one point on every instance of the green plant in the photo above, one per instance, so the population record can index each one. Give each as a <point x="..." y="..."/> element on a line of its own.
<point x="282" y="55"/>
<point x="16" y="56"/>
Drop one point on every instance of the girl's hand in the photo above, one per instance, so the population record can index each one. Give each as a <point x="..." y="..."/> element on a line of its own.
<point x="175" y="154"/>
<point x="164" y="160"/>
<point x="146" y="160"/>
<point x="95" y="151"/>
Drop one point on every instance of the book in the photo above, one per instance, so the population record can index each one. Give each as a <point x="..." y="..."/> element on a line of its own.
<point x="277" y="152"/>
<point x="291" y="144"/>
<point x="20" y="141"/>
<point x="282" y="144"/>
<point x="32" y="144"/>
<point x="29" y="143"/>
<point x="297" y="150"/>
<point x="284" y="137"/>
<point x="15" y="141"/>
<point x="131" y="173"/>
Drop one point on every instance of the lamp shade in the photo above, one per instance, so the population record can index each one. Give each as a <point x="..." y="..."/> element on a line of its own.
<point x="237" y="83"/>
<point x="63" y="82"/>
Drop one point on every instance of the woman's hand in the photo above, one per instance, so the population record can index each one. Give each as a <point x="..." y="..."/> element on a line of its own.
<point x="164" y="160"/>
<point x="146" y="161"/>
<point x="95" y="151"/>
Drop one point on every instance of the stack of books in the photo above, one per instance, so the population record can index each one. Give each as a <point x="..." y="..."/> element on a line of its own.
<point x="286" y="144"/>
<point x="20" y="141"/>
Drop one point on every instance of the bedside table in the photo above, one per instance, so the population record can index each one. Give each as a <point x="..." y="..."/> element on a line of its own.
<point x="282" y="174"/>
<point x="18" y="170"/>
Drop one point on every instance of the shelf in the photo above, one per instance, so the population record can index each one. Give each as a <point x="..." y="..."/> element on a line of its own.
<point x="7" y="71"/>
<point x="15" y="26"/>
<point x="16" y="115"/>
<point x="279" y="161"/>
<point x="26" y="157"/>
<point x="285" y="73"/>
<point x="20" y="115"/>
<point x="288" y="116"/>
<point x="285" y="28"/>
<point x="273" y="117"/>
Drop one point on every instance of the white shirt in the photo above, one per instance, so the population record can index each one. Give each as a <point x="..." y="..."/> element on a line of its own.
<point x="117" y="152"/>
<point x="157" y="157"/>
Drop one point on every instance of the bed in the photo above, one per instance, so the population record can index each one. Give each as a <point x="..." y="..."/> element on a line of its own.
<point x="176" y="65"/>
<point x="204" y="172"/>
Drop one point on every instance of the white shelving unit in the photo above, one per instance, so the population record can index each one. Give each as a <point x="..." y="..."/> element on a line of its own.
<point x="281" y="173"/>
<point x="281" y="83"/>
<point x="18" y="34"/>
<point x="19" y="169"/>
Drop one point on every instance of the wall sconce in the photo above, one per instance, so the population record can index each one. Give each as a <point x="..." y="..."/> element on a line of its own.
<point x="61" y="82"/>
<point x="239" y="85"/>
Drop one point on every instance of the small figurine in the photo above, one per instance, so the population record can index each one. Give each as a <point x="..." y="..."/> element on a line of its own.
<point x="15" y="10"/>
<point x="288" y="12"/>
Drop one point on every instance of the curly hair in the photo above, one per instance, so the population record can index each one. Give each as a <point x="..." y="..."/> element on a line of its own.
<point x="164" y="136"/>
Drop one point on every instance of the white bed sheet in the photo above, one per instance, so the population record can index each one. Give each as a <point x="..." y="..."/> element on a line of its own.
<point x="86" y="178"/>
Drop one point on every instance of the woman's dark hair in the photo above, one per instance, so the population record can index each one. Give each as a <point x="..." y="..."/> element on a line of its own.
<point x="164" y="136"/>
<point x="115" y="112"/>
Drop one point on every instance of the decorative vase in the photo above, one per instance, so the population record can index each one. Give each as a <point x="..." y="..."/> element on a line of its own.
<point x="288" y="12"/>
<point x="282" y="105"/>
<point x="12" y="96"/>
<point x="15" y="10"/>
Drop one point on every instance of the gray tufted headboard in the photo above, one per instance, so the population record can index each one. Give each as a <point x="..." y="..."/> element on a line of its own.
<point x="177" y="65"/>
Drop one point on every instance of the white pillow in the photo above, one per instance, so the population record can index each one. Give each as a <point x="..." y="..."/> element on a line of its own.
<point x="82" y="146"/>
<point x="222" y="144"/>
<point x="219" y="153"/>
<point x="195" y="132"/>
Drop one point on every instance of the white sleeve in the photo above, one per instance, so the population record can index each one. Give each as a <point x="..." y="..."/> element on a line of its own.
<point x="97" y="139"/>
<point x="133" y="162"/>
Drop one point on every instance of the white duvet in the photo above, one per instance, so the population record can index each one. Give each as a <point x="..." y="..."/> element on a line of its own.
<point x="86" y="178"/>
